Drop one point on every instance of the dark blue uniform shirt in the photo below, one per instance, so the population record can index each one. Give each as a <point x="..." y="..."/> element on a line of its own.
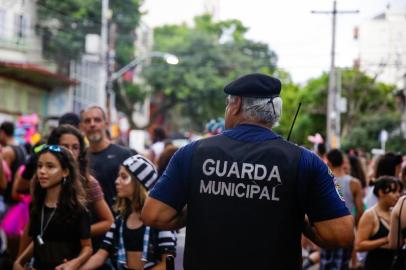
<point x="317" y="189"/>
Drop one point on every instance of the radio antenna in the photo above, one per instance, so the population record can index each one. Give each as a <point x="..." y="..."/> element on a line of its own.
<point x="294" y="120"/>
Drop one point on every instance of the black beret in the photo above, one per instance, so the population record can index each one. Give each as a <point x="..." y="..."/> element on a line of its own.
<point x="254" y="85"/>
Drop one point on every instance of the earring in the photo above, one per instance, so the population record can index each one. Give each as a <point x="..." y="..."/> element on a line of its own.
<point x="64" y="181"/>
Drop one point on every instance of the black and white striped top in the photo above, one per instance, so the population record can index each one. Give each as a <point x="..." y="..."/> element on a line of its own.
<point x="160" y="242"/>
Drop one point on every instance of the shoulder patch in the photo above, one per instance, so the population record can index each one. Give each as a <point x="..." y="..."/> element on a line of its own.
<point x="338" y="189"/>
<point x="330" y="172"/>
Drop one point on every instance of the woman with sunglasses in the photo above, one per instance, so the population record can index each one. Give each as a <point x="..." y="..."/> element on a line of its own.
<point x="101" y="216"/>
<point x="130" y="244"/>
<point x="59" y="221"/>
<point x="373" y="227"/>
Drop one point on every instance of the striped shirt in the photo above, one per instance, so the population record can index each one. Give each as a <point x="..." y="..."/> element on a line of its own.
<point x="158" y="243"/>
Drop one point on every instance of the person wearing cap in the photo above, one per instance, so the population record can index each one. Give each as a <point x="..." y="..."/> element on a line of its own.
<point x="130" y="244"/>
<point x="243" y="194"/>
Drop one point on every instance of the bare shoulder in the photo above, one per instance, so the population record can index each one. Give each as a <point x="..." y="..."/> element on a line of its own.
<point x="368" y="216"/>
<point x="355" y="182"/>
<point x="7" y="151"/>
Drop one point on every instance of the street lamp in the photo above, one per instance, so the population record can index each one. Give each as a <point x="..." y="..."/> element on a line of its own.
<point x="168" y="57"/>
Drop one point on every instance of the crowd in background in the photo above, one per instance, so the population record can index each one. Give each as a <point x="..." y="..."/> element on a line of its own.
<point x="79" y="195"/>
<point x="371" y="187"/>
<point x="73" y="199"/>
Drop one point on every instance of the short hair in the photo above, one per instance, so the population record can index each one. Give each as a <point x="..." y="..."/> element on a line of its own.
<point x="91" y="108"/>
<point x="387" y="164"/>
<point x="158" y="134"/>
<point x="386" y="184"/>
<point x="8" y="128"/>
<point x="321" y="149"/>
<point x="264" y="110"/>
<point x="335" y="157"/>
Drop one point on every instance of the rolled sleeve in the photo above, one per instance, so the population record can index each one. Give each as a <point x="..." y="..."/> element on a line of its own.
<point x="171" y="188"/>
<point x="322" y="199"/>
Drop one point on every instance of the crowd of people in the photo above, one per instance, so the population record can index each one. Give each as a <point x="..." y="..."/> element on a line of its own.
<point x="74" y="200"/>
<point x="249" y="199"/>
<point x="371" y="189"/>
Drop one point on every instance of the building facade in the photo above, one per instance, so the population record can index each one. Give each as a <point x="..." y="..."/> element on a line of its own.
<point x="28" y="84"/>
<point x="382" y="47"/>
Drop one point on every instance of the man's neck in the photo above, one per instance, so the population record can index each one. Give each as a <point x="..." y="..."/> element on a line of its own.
<point x="338" y="172"/>
<point x="99" y="146"/>
<point x="255" y="123"/>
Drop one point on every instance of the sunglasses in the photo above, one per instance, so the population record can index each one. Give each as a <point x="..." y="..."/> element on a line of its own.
<point x="44" y="147"/>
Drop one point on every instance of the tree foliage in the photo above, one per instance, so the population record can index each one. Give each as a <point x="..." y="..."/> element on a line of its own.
<point x="211" y="55"/>
<point x="371" y="107"/>
<point x="63" y="26"/>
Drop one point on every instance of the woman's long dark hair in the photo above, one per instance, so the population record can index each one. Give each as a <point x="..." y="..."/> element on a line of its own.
<point x="357" y="170"/>
<point x="71" y="200"/>
<point x="54" y="139"/>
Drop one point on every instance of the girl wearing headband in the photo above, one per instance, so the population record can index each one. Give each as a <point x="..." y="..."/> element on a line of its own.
<point x="59" y="221"/>
<point x="101" y="216"/>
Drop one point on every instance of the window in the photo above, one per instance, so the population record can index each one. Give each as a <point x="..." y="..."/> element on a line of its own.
<point x="3" y="15"/>
<point x="20" y="27"/>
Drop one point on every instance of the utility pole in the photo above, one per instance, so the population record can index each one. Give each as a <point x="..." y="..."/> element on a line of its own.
<point x="104" y="49"/>
<point x="333" y="98"/>
<point x="111" y="66"/>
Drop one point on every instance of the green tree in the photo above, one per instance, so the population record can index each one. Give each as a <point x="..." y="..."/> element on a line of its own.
<point x="63" y="26"/>
<point x="371" y="107"/>
<point x="209" y="59"/>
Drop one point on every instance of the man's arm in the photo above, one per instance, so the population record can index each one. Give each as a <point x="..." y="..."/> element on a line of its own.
<point x="332" y="223"/>
<point x="162" y="216"/>
<point x="337" y="232"/>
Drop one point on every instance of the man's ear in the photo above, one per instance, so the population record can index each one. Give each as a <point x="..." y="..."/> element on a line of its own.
<point x="237" y="106"/>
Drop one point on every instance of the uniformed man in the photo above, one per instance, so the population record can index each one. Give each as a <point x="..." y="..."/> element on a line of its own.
<point x="247" y="190"/>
